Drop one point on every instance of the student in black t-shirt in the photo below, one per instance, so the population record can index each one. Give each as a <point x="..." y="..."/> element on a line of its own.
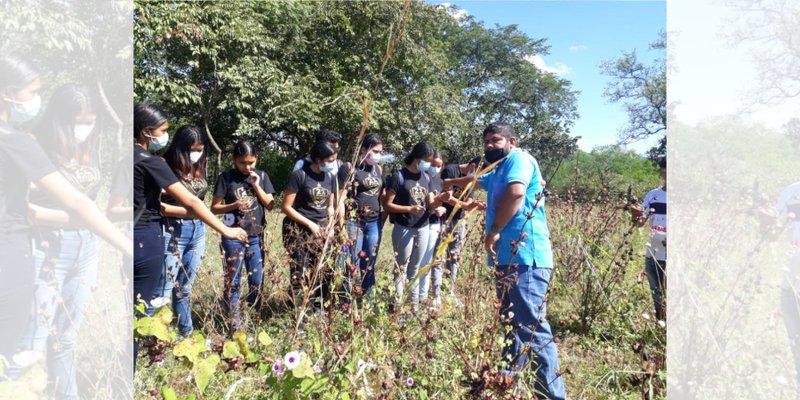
<point x="185" y="235"/>
<point x="65" y="251"/>
<point x="151" y="175"/>
<point x="456" y="224"/>
<point x="435" y="220"/>
<point x="22" y="162"/>
<point x="364" y="219"/>
<point x="408" y="199"/>
<point x="309" y="205"/>
<point x="244" y="195"/>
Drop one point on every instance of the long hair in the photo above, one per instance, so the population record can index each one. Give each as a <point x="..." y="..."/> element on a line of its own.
<point x="147" y="116"/>
<point x="15" y="74"/>
<point x="56" y="130"/>
<point x="178" y="154"/>
<point x="420" y="150"/>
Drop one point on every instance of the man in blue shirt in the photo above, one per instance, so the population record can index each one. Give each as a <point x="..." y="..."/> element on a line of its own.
<point x="518" y="245"/>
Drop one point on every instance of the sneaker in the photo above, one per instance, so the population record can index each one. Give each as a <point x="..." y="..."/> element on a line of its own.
<point x="437" y="301"/>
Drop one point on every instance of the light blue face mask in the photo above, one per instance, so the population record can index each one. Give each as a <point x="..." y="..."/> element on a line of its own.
<point x="423" y="165"/>
<point x="329" y="167"/>
<point x="158" y="143"/>
<point x="434" y="170"/>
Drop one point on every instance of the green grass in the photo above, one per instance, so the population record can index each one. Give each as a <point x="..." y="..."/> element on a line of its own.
<point x="440" y="350"/>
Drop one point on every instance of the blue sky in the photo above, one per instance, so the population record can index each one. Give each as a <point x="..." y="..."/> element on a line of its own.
<point x="582" y="34"/>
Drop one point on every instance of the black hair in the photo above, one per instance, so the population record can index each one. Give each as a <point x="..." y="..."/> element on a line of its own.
<point x="327" y="135"/>
<point x="178" y="154"/>
<point x="147" y="116"/>
<point x="437" y="154"/>
<point x="244" y="148"/>
<point x="476" y="161"/>
<point x="420" y="150"/>
<point x="370" y="140"/>
<point x="56" y="130"/>
<point x="662" y="163"/>
<point x="15" y="73"/>
<point x="505" y="130"/>
<point x="321" y="150"/>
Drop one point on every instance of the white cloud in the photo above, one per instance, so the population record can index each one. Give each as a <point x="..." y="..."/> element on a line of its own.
<point x="557" y="69"/>
<point x="457" y="13"/>
<point x="578" y="47"/>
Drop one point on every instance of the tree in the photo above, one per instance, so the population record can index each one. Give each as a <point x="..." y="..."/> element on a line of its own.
<point x="642" y="89"/>
<point x="275" y="72"/>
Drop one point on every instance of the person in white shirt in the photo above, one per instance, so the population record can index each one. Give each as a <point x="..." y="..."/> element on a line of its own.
<point x="654" y="210"/>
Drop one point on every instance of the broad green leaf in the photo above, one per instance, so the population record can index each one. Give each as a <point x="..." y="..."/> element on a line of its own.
<point x="264" y="339"/>
<point x="230" y="350"/>
<point x="203" y="371"/>
<point x="167" y="393"/>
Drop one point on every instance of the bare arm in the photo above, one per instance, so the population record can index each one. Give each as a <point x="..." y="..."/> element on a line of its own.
<point x="218" y="207"/>
<point x="59" y="188"/>
<point x="169" y="210"/>
<point x="196" y="206"/>
<point x="509" y="204"/>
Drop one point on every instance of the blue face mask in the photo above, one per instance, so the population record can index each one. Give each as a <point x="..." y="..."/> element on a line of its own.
<point x="423" y="165"/>
<point x="158" y="143"/>
<point x="329" y="167"/>
<point x="434" y="170"/>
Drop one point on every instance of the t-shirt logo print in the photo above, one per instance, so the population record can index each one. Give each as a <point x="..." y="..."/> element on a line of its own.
<point x="246" y="193"/>
<point x="418" y="194"/>
<point x="371" y="185"/>
<point x="319" y="196"/>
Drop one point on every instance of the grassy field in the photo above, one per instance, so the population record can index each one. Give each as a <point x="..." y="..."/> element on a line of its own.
<point x="609" y="345"/>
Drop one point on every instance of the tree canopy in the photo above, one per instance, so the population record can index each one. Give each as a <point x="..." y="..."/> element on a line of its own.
<point x="276" y="71"/>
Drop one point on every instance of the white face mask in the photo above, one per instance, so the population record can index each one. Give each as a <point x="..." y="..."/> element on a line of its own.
<point x="82" y="132"/>
<point x="195" y="156"/>
<point x="22" y="112"/>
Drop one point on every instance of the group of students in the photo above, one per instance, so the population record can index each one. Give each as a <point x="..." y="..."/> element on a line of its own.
<point x="49" y="222"/>
<point x="323" y="195"/>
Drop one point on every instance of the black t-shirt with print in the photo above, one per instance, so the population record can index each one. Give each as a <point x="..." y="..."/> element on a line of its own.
<point x="366" y="190"/>
<point x="233" y="185"/>
<point x="313" y="192"/>
<point x="413" y="192"/>
<point x="22" y="161"/>
<point x="450" y="172"/>
<point x="150" y="175"/>
<point x="436" y="188"/>
<point x="197" y="186"/>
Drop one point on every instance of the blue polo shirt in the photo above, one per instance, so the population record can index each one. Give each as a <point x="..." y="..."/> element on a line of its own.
<point x="532" y="233"/>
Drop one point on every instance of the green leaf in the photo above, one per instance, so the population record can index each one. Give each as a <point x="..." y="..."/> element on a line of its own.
<point x="264" y="339"/>
<point x="190" y="347"/>
<point x="203" y="371"/>
<point x="304" y="370"/>
<point x="241" y="339"/>
<point x="164" y="314"/>
<point x="168" y="394"/>
<point x="230" y="350"/>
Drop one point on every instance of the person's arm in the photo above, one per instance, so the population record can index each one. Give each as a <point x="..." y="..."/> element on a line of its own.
<point x="508" y="205"/>
<point x="196" y="206"/>
<point x="170" y="210"/>
<point x="77" y="203"/>
<point x="117" y="211"/>
<point x="43" y="216"/>
<point x="398" y="209"/>
<point x="219" y="207"/>
<point x="264" y="198"/>
<point x="287" y="207"/>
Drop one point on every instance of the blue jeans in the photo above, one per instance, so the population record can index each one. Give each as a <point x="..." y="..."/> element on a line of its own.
<point x="66" y="271"/>
<point x="366" y="237"/>
<point x="236" y="255"/>
<point x="521" y="289"/>
<point x="185" y="240"/>
<point x="657" y="278"/>
<point x="434" y="232"/>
